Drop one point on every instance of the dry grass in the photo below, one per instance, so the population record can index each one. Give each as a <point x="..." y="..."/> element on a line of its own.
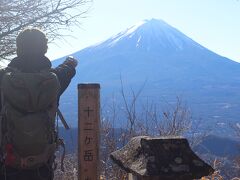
<point x="70" y="168"/>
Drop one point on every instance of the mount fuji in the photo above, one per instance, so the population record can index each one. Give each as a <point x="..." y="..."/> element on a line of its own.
<point x="169" y="64"/>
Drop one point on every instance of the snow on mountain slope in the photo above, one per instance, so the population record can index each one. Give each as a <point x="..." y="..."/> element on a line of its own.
<point x="148" y="31"/>
<point x="149" y="35"/>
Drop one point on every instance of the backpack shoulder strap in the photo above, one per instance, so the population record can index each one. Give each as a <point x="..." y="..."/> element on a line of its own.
<point x="59" y="114"/>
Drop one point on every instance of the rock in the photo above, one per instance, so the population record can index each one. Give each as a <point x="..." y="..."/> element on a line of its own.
<point x="167" y="158"/>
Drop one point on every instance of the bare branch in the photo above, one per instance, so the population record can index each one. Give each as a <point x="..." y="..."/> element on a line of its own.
<point x="51" y="16"/>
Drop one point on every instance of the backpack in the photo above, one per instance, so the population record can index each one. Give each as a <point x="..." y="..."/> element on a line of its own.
<point x="29" y="103"/>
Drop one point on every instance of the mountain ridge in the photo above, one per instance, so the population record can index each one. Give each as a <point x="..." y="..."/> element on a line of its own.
<point x="200" y="75"/>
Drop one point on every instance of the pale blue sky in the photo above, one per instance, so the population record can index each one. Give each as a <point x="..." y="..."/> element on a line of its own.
<point x="214" y="24"/>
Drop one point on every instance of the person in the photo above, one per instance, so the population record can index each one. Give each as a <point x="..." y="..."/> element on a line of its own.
<point x="31" y="49"/>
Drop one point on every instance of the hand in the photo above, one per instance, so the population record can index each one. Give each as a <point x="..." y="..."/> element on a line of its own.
<point x="71" y="61"/>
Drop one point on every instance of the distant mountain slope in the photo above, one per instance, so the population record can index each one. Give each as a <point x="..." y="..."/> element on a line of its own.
<point x="213" y="145"/>
<point x="170" y="63"/>
<point x="219" y="146"/>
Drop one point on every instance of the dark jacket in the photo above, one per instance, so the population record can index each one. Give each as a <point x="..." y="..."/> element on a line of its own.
<point x="65" y="73"/>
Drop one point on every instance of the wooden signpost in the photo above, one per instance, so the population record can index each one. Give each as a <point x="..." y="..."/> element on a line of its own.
<point x="88" y="131"/>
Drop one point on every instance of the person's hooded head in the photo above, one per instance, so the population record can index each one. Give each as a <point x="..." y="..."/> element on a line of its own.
<point x="31" y="42"/>
<point x="31" y="49"/>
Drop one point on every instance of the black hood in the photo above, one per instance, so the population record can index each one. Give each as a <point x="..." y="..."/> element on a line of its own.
<point x="30" y="64"/>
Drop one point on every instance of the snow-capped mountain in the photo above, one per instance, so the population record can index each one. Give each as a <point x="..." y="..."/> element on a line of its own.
<point x="150" y="35"/>
<point x="169" y="63"/>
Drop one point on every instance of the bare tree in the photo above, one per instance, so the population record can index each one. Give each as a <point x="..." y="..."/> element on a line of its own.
<point x="175" y="120"/>
<point x="147" y="120"/>
<point x="130" y="107"/>
<point x="52" y="16"/>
